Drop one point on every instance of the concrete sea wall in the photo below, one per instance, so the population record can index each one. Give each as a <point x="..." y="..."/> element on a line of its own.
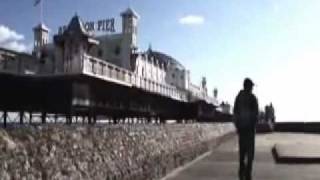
<point x="112" y="152"/>
<point x="303" y="127"/>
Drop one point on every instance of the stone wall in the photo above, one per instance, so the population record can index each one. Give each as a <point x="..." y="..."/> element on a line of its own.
<point x="109" y="152"/>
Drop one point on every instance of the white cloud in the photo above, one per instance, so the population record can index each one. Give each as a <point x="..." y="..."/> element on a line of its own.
<point x="192" y="20"/>
<point x="11" y="39"/>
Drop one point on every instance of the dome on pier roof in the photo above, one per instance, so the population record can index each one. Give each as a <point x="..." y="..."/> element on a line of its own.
<point x="164" y="58"/>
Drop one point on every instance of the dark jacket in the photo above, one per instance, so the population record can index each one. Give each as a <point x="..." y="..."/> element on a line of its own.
<point x="245" y="111"/>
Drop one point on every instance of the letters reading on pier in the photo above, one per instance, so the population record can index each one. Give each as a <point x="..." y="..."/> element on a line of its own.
<point x="106" y="25"/>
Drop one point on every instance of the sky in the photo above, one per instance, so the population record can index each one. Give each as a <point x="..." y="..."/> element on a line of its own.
<point x="274" y="42"/>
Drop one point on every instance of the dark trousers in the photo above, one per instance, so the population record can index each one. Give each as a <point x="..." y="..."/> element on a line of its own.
<point x="246" y="154"/>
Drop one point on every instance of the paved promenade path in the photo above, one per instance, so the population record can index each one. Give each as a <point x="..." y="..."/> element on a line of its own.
<point x="222" y="163"/>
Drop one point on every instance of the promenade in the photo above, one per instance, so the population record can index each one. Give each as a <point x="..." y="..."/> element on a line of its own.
<point x="222" y="163"/>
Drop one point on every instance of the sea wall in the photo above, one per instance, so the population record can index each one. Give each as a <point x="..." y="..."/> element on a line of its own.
<point x="112" y="152"/>
<point x="299" y="127"/>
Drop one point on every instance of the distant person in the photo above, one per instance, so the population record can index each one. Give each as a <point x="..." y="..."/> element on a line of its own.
<point x="246" y="113"/>
<point x="273" y="117"/>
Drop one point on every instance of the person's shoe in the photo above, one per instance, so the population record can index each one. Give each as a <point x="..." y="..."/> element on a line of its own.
<point x="248" y="176"/>
<point x="241" y="178"/>
<point x="241" y="175"/>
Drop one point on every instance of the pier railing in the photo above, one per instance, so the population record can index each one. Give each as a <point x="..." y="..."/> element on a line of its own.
<point x="101" y="69"/>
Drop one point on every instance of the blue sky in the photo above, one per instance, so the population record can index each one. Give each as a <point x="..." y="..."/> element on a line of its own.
<point x="275" y="42"/>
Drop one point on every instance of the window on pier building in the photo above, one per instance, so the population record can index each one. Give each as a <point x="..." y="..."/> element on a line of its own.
<point x="117" y="50"/>
<point x="100" y="53"/>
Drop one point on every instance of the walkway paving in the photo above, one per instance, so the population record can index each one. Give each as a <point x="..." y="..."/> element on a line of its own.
<point x="222" y="163"/>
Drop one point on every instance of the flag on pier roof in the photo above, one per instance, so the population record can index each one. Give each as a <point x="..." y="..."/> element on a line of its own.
<point x="36" y="2"/>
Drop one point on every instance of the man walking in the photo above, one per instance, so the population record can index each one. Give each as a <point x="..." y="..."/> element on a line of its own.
<point x="246" y="113"/>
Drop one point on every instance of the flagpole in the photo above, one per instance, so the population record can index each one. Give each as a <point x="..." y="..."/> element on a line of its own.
<point x="41" y="11"/>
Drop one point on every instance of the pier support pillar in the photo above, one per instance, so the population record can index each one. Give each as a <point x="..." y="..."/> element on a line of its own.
<point x="55" y="118"/>
<point x="5" y="116"/>
<point x="94" y="119"/>
<point x="89" y="119"/>
<point x="68" y="119"/>
<point x="21" y="115"/>
<point x="30" y="117"/>
<point x="83" y="119"/>
<point x="43" y="117"/>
